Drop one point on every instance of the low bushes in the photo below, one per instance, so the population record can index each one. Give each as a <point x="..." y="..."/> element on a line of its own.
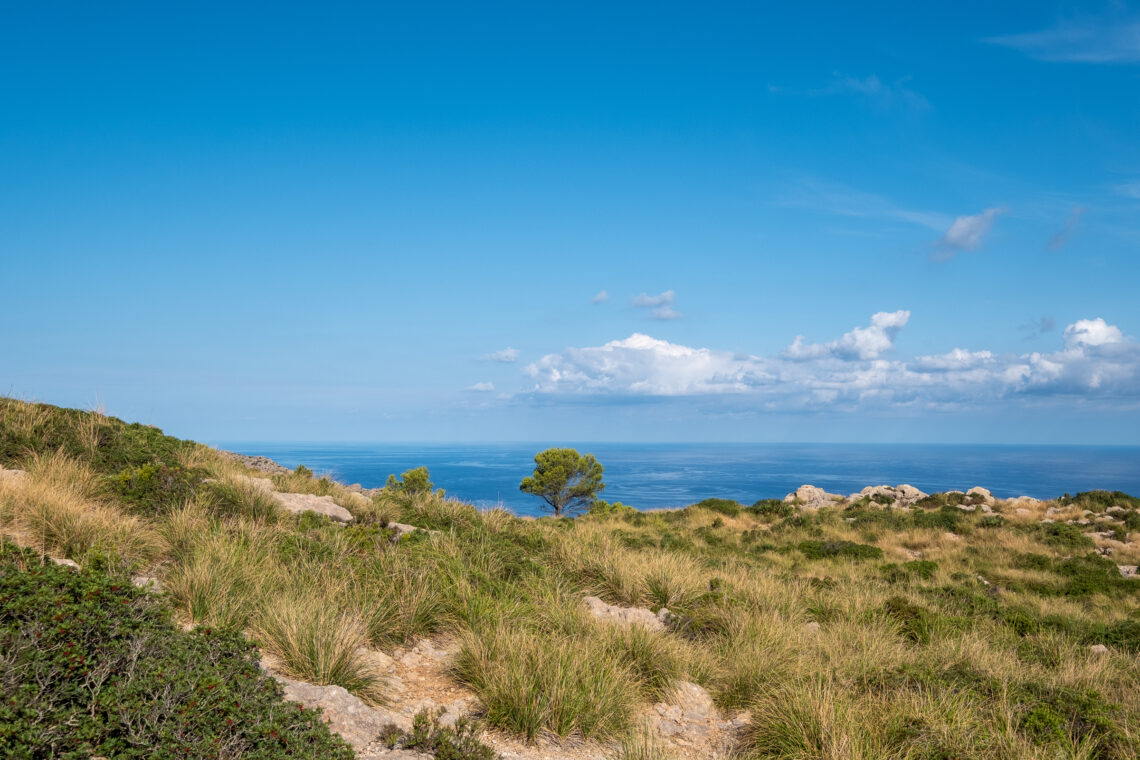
<point x="91" y="666"/>
<point x="814" y="549"/>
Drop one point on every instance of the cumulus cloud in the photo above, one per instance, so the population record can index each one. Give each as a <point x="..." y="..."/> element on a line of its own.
<point x="505" y="355"/>
<point x="1096" y="361"/>
<point x="1091" y="332"/>
<point x="967" y="232"/>
<point x="1099" y="40"/>
<point x="1061" y="237"/>
<point x="600" y="297"/>
<point x="646" y="301"/>
<point x="860" y="343"/>
<point x="482" y="387"/>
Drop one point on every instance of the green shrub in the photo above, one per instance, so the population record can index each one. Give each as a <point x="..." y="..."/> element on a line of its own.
<point x="771" y="508"/>
<point x="1064" y="535"/>
<point x="457" y="742"/>
<point x="946" y="518"/>
<point x="991" y="521"/>
<point x="826" y="549"/>
<point x="154" y="489"/>
<point x="1098" y="501"/>
<point x="603" y="508"/>
<point x="91" y="666"/>
<point x="726" y="507"/>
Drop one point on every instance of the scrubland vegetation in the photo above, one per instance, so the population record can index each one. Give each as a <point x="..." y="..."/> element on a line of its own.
<point x="851" y="632"/>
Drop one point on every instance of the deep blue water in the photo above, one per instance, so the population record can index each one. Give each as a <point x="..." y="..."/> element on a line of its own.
<point x="650" y="476"/>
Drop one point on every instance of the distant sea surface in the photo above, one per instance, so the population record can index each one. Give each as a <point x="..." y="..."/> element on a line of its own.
<point x="653" y="476"/>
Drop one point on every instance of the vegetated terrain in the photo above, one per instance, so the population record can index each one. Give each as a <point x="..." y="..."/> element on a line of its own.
<point x="855" y="631"/>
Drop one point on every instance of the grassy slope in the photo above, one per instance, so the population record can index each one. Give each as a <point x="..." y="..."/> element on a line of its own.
<point x="979" y="649"/>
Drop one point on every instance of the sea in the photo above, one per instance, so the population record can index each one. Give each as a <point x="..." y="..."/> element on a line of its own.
<point x="656" y="476"/>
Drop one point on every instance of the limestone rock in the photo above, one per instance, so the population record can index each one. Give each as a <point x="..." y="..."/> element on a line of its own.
<point x="984" y="493"/>
<point x="65" y="562"/>
<point x="147" y="582"/>
<point x="264" y="464"/>
<point x="306" y="502"/>
<point x="1023" y="502"/>
<point x="401" y="530"/>
<point x="695" y="702"/>
<point x="1115" y="509"/>
<point x="344" y="713"/>
<point x="811" y="627"/>
<point x="1098" y="649"/>
<point x="13" y="476"/>
<point x="623" y="615"/>
<point x="1128" y="571"/>
<point x="812" y="497"/>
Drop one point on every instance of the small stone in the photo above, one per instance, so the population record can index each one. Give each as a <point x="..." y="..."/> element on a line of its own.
<point x="1128" y="571"/>
<point x="147" y="582"/>
<point x="1098" y="649"/>
<point x="623" y="615"/>
<point x="64" y="561"/>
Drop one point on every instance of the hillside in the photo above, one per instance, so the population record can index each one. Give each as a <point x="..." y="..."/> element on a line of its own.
<point x="887" y="624"/>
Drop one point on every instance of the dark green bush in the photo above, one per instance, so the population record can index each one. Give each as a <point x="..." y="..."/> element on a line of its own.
<point x="726" y="507"/>
<point x="91" y="666"/>
<point x="991" y="521"/>
<point x="826" y="549"/>
<point x="946" y="518"/>
<point x="153" y="489"/>
<point x="771" y="508"/>
<point x="1064" y="535"/>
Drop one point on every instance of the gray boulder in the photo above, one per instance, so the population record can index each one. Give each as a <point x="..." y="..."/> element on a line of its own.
<point x="812" y="497"/>
<point x="344" y="713"/>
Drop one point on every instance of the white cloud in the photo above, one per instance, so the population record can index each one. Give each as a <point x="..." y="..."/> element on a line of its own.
<point x="1102" y="40"/>
<point x="957" y="360"/>
<point x="482" y="387"/>
<point x="665" y="313"/>
<point x="601" y="297"/>
<point x="1096" y="362"/>
<point x="966" y="233"/>
<point x="646" y="301"/>
<point x="860" y="343"/>
<point x="505" y="355"/>
<point x="1091" y="332"/>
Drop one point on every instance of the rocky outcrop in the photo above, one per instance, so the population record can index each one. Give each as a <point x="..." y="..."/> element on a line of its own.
<point x="264" y="464"/>
<point x="983" y="494"/>
<point x="903" y="495"/>
<point x="625" y="615"/>
<point x="812" y="497"/>
<point x="307" y="502"/>
<point x="1128" y="571"/>
<point x="299" y="502"/>
<point x="358" y="723"/>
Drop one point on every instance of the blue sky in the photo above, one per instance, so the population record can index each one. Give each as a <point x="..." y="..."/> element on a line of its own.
<point x="546" y="221"/>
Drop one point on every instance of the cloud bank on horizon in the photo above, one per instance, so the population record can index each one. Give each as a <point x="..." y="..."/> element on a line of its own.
<point x="1096" y="361"/>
